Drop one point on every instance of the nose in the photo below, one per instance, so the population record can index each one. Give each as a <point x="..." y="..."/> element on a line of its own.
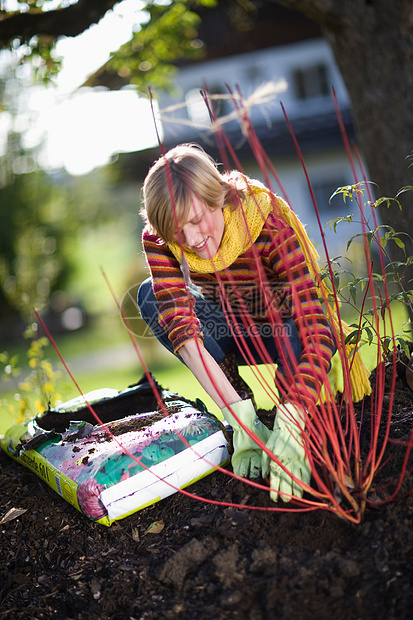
<point x="191" y="236"/>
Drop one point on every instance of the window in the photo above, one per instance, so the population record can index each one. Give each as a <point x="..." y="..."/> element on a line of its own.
<point x="253" y="73"/>
<point x="311" y="82"/>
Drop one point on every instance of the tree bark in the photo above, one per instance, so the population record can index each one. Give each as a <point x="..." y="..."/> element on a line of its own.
<point x="372" y="41"/>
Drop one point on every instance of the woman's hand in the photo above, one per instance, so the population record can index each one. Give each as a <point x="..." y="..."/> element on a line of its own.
<point x="286" y="443"/>
<point x="247" y="457"/>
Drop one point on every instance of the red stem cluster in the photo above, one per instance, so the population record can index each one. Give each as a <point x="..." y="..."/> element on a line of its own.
<point x="341" y="475"/>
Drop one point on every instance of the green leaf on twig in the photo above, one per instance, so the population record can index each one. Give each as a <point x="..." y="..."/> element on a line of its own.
<point x="348" y="191"/>
<point x="337" y="220"/>
<point x="407" y="188"/>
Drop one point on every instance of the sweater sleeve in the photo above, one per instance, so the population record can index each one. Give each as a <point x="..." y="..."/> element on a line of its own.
<point x="176" y="305"/>
<point x="288" y="263"/>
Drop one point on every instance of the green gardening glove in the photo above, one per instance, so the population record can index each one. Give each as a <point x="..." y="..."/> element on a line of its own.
<point x="286" y="444"/>
<point x="246" y="459"/>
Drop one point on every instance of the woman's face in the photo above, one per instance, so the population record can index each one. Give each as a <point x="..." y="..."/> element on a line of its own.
<point x="203" y="230"/>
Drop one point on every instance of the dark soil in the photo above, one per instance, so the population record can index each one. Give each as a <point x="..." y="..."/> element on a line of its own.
<point x="208" y="561"/>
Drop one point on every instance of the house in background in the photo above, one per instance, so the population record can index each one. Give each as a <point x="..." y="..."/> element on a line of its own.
<point x="281" y="45"/>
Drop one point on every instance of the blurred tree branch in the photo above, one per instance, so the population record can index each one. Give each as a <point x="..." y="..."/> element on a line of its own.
<point x="69" y="21"/>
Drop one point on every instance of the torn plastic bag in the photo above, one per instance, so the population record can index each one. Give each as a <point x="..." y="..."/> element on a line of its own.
<point x="134" y="457"/>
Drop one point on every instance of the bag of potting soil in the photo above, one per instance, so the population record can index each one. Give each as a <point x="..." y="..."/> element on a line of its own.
<point x="137" y="454"/>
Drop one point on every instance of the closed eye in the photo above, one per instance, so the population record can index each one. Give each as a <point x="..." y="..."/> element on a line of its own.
<point x="197" y="220"/>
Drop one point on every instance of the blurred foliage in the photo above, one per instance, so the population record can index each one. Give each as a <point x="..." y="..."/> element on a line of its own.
<point x="36" y="389"/>
<point x="30" y="265"/>
<point x="40" y="216"/>
<point x="44" y="59"/>
<point x="40" y="50"/>
<point x="169" y="34"/>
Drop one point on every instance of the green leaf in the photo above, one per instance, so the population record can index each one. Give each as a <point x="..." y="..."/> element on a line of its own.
<point x="370" y="335"/>
<point x="348" y="191"/>
<point x="353" y="291"/>
<point x="399" y="243"/>
<point x="353" y="337"/>
<point x="389" y="201"/>
<point x="407" y="326"/>
<point x="14" y="360"/>
<point x="337" y="220"/>
<point x="407" y="188"/>
<point x="350" y="241"/>
<point x="404" y="345"/>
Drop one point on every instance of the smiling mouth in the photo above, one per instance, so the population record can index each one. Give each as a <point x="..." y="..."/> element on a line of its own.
<point x="201" y="246"/>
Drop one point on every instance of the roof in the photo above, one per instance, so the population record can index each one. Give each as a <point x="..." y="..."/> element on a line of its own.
<point x="227" y="29"/>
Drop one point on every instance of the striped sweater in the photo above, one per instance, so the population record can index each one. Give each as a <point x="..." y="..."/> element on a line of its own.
<point x="270" y="282"/>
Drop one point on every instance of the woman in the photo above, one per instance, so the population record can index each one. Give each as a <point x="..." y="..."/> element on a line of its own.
<point x="230" y="284"/>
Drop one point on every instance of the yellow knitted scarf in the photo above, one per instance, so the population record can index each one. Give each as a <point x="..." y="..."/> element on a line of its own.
<point x="242" y="228"/>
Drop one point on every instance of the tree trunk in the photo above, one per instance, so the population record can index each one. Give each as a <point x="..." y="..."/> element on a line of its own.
<point x="372" y="41"/>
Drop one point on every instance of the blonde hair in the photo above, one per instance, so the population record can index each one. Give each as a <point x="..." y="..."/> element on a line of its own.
<point x="174" y="179"/>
